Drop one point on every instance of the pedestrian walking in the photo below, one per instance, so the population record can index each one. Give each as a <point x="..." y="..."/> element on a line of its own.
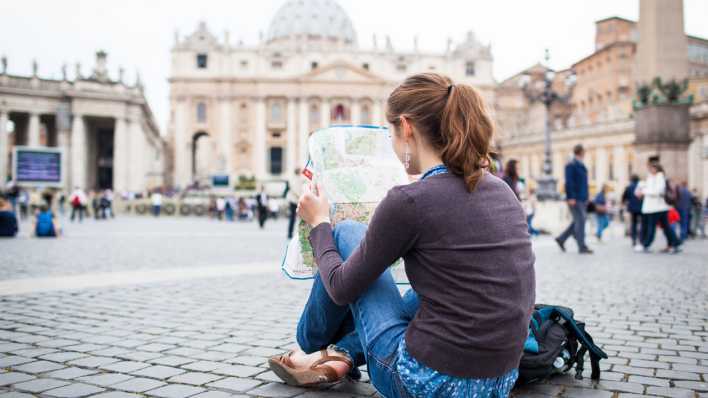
<point x="8" y="218"/>
<point x="156" y="201"/>
<point x="633" y="204"/>
<point x="655" y="208"/>
<point x="23" y="201"/>
<point x="108" y="195"/>
<point x="697" y="228"/>
<point x="511" y="177"/>
<point x="230" y="208"/>
<point x="62" y="203"/>
<point x="602" y="216"/>
<point x="530" y="204"/>
<point x="96" y="204"/>
<point x="292" y="193"/>
<point x="262" y="207"/>
<point x="78" y="201"/>
<point x="220" y="208"/>
<point x="684" y="203"/>
<point x="576" y="192"/>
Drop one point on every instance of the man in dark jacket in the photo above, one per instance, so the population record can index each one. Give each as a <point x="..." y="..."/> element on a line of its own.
<point x="576" y="192"/>
<point x="634" y="208"/>
<point x="684" y="203"/>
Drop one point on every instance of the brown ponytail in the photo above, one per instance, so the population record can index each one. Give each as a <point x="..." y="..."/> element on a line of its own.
<point x="452" y="117"/>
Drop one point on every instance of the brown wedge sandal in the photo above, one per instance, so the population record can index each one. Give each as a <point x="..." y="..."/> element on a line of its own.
<point x="316" y="375"/>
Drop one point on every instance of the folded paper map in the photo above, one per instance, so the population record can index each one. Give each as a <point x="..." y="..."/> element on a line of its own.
<point x="356" y="166"/>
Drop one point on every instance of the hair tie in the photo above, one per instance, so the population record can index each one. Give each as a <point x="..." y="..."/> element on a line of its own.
<point x="449" y="89"/>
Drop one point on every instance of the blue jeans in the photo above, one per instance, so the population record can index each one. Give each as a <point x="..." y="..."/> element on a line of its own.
<point x="369" y="329"/>
<point x="576" y="229"/>
<point x="685" y="222"/>
<point x="603" y="221"/>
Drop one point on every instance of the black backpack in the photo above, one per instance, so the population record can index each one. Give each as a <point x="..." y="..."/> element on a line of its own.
<point x="555" y="344"/>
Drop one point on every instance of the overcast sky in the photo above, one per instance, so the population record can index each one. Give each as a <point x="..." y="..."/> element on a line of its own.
<point x="138" y="34"/>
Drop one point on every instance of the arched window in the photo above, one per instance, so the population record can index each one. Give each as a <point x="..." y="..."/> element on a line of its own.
<point x="470" y="68"/>
<point x="339" y="113"/>
<point x="365" y="114"/>
<point x="201" y="112"/>
<point x="276" y="112"/>
<point x="314" y="115"/>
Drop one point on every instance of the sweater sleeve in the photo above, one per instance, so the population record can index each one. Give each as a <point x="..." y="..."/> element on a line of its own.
<point x="391" y="233"/>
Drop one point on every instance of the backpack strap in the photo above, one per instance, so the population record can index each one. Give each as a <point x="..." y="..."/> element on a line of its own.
<point x="580" y="356"/>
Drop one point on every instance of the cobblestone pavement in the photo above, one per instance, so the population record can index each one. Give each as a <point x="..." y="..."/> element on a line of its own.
<point x="132" y="243"/>
<point x="211" y="337"/>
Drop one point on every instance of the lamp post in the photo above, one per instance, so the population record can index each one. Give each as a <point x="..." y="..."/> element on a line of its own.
<point x="543" y="92"/>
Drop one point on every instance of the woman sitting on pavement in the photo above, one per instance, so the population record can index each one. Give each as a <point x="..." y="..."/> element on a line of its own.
<point x="45" y="225"/>
<point x="460" y="330"/>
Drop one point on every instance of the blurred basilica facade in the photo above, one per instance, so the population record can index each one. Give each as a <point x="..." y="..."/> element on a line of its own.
<point x="247" y="110"/>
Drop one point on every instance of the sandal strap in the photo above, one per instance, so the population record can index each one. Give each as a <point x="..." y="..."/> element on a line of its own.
<point x="327" y="358"/>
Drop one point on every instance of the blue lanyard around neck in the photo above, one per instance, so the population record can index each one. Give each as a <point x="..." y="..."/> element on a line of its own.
<point x="439" y="169"/>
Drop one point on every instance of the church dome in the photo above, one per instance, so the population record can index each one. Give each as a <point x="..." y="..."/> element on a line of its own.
<point x="312" y="20"/>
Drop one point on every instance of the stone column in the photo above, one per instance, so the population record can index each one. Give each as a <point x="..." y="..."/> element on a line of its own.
<point x="325" y="114"/>
<point x="182" y="147"/>
<point x="291" y="134"/>
<point x="4" y="158"/>
<point x="33" y="130"/>
<point x="304" y="131"/>
<point x="619" y="165"/>
<point x="601" y="170"/>
<point x="79" y="152"/>
<point x="137" y="144"/>
<point x="356" y="112"/>
<point x="64" y="142"/>
<point x="376" y="113"/>
<point x="259" y="144"/>
<point x="558" y="166"/>
<point x="226" y="138"/>
<point x="121" y="155"/>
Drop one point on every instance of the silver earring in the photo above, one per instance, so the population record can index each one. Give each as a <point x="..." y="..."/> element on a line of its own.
<point x="407" y="157"/>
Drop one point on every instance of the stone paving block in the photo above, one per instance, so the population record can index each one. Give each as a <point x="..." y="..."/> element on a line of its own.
<point x="15" y="394"/>
<point x="138" y="385"/>
<point x="14" y="377"/>
<point x="277" y="390"/>
<point x="115" y="394"/>
<point x="38" y="367"/>
<point x="8" y="347"/>
<point x="269" y="376"/>
<point x="159" y="372"/>
<point x="70" y="373"/>
<point x="195" y="378"/>
<point x="204" y="366"/>
<point x="93" y="362"/>
<point x="217" y="394"/>
<point x="105" y="379"/>
<point x="75" y="390"/>
<point x="172" y="360"/>
<point x="229" y="347"/>
<point x="63" y="356"/>
<point x="140" y="356"/>
<point x="155" y="347"/>
<point x="670" y="392"/>
<point x="677" y="375"/>
<point x="692" y="385"/>
<point x="249" y="360"/>
<point x="214" y="356"/>
<point x="125" y="366"/>
<point x="262" y="352"/>
<point x="235" y="384"/>
<point x="85" y="347"/>
<point x="652" y="381"/>
<point x="12" y="360"/>
<point x="238" y="371"/>
<point x="110" y="352"/>
<point x="586" y="393"/>
<point x="175" y="391"/>
<point x="39" y="385"/>
<point x="34" y="352"/>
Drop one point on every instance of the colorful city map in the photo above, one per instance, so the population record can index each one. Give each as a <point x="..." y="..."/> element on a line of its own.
<point x="356" y="166"/>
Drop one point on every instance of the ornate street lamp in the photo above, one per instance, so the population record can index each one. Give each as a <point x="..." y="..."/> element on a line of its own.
<point x="542" y="91"/>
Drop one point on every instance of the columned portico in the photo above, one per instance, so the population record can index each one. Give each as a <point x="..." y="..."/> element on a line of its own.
<point x="226" y="142"/>
<point x="356" y="112"/>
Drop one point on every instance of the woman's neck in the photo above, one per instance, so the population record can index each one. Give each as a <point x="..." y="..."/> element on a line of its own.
<point x="428" y="161"/>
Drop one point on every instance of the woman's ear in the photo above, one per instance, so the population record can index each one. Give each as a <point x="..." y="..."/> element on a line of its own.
<point x="406" y="129"/>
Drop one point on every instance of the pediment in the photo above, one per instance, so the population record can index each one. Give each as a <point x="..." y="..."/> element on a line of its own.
<point x="341" y="72"/>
